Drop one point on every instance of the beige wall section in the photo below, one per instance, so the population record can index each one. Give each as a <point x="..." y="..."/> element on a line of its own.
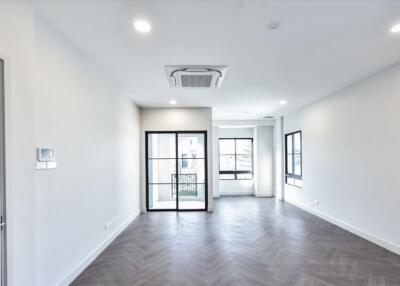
<point x="176" y="119"/>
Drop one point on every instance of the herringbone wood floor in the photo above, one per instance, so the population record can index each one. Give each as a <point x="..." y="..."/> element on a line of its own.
<point x="246" y="241"/>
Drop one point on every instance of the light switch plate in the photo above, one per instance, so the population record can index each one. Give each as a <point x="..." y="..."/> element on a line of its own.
<point x="41" y="165"/>
<point x="51" y="165"/>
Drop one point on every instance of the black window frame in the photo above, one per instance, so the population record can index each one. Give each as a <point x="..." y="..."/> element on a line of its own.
<point x="236" y="172"/>
<point x="292" y="154"/>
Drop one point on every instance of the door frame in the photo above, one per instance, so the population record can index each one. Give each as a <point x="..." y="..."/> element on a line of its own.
<point x="3" y="213"/>
<point x="177" y="132"/>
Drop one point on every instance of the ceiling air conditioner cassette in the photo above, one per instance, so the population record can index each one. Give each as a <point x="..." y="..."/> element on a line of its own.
<point x="195" y="76"/>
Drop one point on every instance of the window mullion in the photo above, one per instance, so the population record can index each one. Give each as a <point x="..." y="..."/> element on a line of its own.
<point x="286" y="158"/>
<point x="235" y="162"/>
<point x="293" y="156"/>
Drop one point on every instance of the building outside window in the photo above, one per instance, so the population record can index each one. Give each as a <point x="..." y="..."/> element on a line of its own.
<point x="293" y="159"/>
<point x="236" y="158"/>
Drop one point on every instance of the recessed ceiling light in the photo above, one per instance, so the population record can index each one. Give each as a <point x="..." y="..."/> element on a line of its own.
<point x="274" y="25"/>
<point x="172" y="102"/>
<point x="142" y="26"/>
<point x="395" y="28"/>
<point x="283" y="102"/>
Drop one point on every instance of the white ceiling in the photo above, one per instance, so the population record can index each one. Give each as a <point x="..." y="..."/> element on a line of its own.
<point x="321" y="47"/>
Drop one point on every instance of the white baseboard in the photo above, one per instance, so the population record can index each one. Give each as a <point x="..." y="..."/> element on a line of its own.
<point x="361" y="233"/>
<point x="67" y="280"/>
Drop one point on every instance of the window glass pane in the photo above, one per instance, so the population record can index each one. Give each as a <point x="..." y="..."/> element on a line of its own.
<point x="191" y="145"/>
<point x="227" y="146"/>
<point x="160" y="170"/>
<point x="243" y="146"/>
<point x="161" y="145"/>
<point x="226" y="176"/>
<point x="162" y="196"/>
<point x="244" y="163"/>
<point x="192" y="197"/>
<point x="297" y="143"/>
<point x="297" y="164"/>
<point x="191" y="171"/>
<point x="187" y="188"/>
<point x="227" y="163"/>
<point x="289" y="164"/>
<point x="289" y="143"/>
<point x="244" y="176"/>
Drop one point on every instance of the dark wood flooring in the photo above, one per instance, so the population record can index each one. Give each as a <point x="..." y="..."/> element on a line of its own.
<point x="246" y="241"/>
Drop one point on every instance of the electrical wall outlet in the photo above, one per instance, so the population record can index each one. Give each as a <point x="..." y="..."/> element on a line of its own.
<point x="111" y="222"/>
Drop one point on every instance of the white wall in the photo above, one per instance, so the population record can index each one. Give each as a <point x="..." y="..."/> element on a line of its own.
<point x="350" y="158"/>
<point x="177" y="119"/>
<point x="262" y="184"/>
<point x="264" y="162"/>
<point x="16" y="48"/>
<point x="236" y="132"/>
<point x="235" y="187"/>
<point x="215" y="158"/>
<point x="95" y="131"/>
<point x="57" y="97"/>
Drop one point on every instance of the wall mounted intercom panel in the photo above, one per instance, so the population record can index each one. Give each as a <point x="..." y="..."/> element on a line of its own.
<point x="45" y="158"/>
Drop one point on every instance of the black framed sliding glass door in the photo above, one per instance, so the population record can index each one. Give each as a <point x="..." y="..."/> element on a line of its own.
<point x="176" y="170"/>
<point x="161" y="163"/>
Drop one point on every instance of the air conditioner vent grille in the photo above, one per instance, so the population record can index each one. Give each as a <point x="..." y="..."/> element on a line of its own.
<point x="196" y="80"/>
<point x="195" y="76"/>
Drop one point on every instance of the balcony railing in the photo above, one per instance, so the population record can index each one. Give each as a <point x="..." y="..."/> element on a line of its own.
<point x="187" y="185"/>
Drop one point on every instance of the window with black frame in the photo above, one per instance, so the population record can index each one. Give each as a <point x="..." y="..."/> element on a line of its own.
<point x="293" y="159"/>
<point x="236" y="158"/>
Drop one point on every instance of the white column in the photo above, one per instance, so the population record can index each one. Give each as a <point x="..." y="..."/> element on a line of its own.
<point x="264" y="162"/>
<point x="215" y="161"/>
<point x="278" y="158"/>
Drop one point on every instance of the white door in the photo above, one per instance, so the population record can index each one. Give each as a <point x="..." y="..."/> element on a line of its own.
<point x="2" y="181"/>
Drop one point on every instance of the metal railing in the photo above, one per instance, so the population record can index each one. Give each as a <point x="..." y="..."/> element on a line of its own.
<point x="187" y="185"/>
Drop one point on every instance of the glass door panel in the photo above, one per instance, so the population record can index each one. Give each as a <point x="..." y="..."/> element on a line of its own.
<point x="176" y="154"/>
<point x="161" y="167"/>
<point x="161" y="170"/>
<point x="189" y="201"/>
<point x="191" y="145"/>
<point x="192" y="171"/>
<point x="161" y="146"/>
